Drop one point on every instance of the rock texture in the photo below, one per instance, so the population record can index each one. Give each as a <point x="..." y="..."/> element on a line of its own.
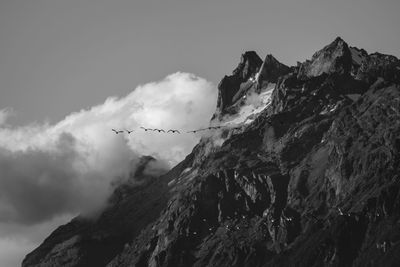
<point x="334" y="58"/>
<point x="312" y="180"/>
<point x="270" y="71"/>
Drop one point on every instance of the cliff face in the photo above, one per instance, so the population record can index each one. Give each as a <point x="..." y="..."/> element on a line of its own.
<point x="308" y="177"/>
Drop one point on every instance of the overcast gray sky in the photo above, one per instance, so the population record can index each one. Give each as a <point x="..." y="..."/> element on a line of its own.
<point x="58" y="56"/>
<point x="63" y="57"/>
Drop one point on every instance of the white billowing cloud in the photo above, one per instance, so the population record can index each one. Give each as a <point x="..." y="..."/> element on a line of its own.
<point x="49" y="170"/>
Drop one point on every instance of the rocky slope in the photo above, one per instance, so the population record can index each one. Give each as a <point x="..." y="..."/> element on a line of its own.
<point x="94" y="241"/>
<point x="305" y="172"/>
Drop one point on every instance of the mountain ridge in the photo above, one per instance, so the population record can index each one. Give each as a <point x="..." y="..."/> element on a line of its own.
<point x="307" y="176"/>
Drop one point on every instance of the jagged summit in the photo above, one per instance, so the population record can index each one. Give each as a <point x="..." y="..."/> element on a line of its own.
<point x="249" y="64"/>
<point x="333" y="58"/>
<point x="229" y="86"/>
<point x="251" y="74"/>
<point x="339" y="58"/>
<point x="311" y="179"/>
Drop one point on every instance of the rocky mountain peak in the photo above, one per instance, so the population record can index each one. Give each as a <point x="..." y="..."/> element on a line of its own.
<point x="333" y="58"/>
<point x="249" y="64"/>
<point x="229" y="86"/>
<point x="252" y="74"/>
<point x="312" y="179"/>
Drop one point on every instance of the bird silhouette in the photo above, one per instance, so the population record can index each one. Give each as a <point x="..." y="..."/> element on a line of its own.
<point x="194" y="131"/>
<point x="116" y="131"/>
<point x="173" y="131"/>
<point x="159" y="130"/>
<point x="146" y="129"/>
<point x="129" y="132"/>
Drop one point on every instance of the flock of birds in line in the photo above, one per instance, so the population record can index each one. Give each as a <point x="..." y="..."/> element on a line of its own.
<point x="173" y="131"/>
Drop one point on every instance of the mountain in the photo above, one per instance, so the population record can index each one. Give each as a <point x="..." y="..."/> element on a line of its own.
<point x="303" y="172"/>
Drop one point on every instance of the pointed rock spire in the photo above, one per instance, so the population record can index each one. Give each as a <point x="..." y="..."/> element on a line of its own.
<point x="249" y="64"/>
<point x="248" y="67"/>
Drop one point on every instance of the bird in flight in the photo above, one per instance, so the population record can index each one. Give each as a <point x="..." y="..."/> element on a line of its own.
<point x="116" y="132"/>
<point x="173" y="131"/>
<point x="194" y="131"/>
<point x="129" y="132"/>
<point x="147" y="129"/>
<point x="159" y="130"/>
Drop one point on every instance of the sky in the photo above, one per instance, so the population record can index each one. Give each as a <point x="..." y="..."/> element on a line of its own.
<point x="59" y="56"/>
<point x="70" y="70"/>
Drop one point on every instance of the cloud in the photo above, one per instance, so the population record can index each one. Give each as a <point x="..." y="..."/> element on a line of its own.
<point x="49" y="170"/>
<point x="38" y="184"/>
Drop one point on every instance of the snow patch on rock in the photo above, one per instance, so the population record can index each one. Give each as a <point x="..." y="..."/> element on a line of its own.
<point x="255" y="103"/>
